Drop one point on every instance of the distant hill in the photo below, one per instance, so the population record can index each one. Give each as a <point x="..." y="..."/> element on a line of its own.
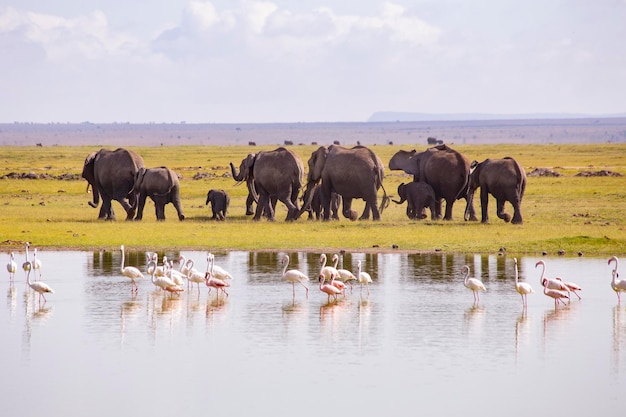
<point x="392" y="116"/>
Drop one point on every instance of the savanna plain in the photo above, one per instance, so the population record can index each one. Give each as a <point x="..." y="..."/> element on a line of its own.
<point x="575" y="213"/>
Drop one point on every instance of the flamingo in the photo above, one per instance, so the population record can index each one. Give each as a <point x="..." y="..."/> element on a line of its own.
<point x="193" y="275"/>
<point x="363" y="277"/>
<point x="217" y="271"/>
<point x="173" y="274"/>
<point x="12" y="267"/>
<point x="26" y="265"/>
<point x="152" y="262"/>
<point x="36" y="262"/>
<point x="39" y="286"/>
<point x="294" y="276"/>
<point x="523" y="288"/>
<point x="618" y="285"/>
<point x="164" y="282"/>
<point x="212" y="282"/>
<point x="182" y="261"/>
<point x="131" y="272"/>
<point x="572" y="287"/>
<point x="331" y="290"/>
<point x="344" y="276"/>
<point x="553" y="284"/>
<point x="327" y="271"/>
<point x="473" y="284"/>
<point x="556" y="294"/>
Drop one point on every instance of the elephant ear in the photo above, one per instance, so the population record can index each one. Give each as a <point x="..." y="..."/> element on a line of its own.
<point x="91" y="158"/>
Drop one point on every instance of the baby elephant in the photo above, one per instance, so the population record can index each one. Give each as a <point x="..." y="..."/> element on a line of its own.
<point x="419" y="195"/>
<point x="219" y="203"/>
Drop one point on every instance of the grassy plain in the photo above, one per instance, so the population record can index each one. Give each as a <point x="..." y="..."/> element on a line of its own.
<point x="570" y="213"/>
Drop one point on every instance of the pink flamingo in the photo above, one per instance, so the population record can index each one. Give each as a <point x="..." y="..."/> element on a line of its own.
<point x="556" y="294"/>
<point x="572" y="287"/>
<point x="618" y="285"/>
<point x="553" y="284"/>
<point x="218" y="284"/>
<point x="331" y="290"/>
<point x="294" y="276"/>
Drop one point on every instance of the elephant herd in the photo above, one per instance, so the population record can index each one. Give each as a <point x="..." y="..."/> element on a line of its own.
<point x="336" y="176"/>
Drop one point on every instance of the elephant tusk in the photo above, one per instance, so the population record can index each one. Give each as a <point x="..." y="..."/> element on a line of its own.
<point x="88" y="190"/>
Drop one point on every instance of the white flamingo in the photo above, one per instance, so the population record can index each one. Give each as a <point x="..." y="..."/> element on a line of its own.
<point x="618" y="285"/>
<point x="294" y="276"/>
<point x="217" y="271"/>
<point x="363" y="277"/>
<point x="328" y="271"/>
<point x="36" y="262"/>
<point x="474" y="284"/>
<point x="344" y="276"/>
<point x="12" y="267"/>
<point x="130" y="272"/>
<point x="26" y="265"/>
<point x="553" y="284"/>
<point x="152" y="262"/>
<point x="212" y="281"/>
<point x="523" y="288"/>
<point x="175" y="275"/>
<point x="193" y="275"/>
<point x="39" y="286"/>
<point x="164" y="282"/>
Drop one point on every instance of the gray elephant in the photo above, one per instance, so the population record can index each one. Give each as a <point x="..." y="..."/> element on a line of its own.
<point x="352" y="173"/>
<point x="444" y="169"/>
<point x="418" y="195"/>
<point x="505" y="179"/>
<point x="220" y="201"/>
<point x="162" y="186"/>
<point x="271" y="175"/>
<point x="316" y="206"/>
<point x="111" y="175"/>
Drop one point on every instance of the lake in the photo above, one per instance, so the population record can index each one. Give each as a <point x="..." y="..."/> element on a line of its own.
<point x="416" y="345"/>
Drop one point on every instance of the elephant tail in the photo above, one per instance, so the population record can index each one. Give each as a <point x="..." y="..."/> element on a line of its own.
<point x="384" y="203"/>
<point x="521" y="185"/>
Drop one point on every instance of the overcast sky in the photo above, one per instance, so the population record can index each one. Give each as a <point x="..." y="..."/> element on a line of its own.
<point x="307" y="61"/>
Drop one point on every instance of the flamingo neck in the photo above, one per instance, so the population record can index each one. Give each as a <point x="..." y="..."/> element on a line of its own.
<point x="467" y="274"/>
<point x="286" y="264"/>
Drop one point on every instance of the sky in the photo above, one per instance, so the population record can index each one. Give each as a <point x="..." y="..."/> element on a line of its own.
<point x="249" y="61"/>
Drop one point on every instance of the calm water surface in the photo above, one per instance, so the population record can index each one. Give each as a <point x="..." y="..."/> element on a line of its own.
<point x="417" y="344"/>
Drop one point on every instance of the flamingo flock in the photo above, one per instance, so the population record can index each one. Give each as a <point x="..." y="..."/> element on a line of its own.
<point x="333" y="281"/>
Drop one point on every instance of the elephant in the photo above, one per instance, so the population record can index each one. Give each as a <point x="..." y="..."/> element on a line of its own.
<point x="111" y="175"/>
<point x="271" y="175"/>
<point x="352" y="173"/>
<point x="162" y="186"/>
<point x="219" y="203"/>
<point x="315" y="207"/>
<point x="418" y="195"/>
<point x="444" y="169"/>
<point x="503" y="178"/>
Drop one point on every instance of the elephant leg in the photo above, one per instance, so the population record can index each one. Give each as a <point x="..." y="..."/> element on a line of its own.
<point x="438" y="204"/>
<point x="104" y="210"/>
<point x="433" y="210"/>
<point x="500" y="211"/>
<point x="347" y="211"/>
<point x="130" y="210"/>
<point x="517" y="212"/>
<point x="449" y="206"/>
<point x="179" y="210"/>
<point x="366" y="212"/>
<point x="484" y="204"/>
<point x="264" y="206"/>
<point x="141" y="202"/>
<point x="292" y="211"/>
<point x="249" y="202"/>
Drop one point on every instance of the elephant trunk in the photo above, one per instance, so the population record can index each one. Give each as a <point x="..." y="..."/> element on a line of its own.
<point x="252" y="189"/>
<point x="95" y="195"/>
<point x="236" y="176"/>
<point x="307" y="197"/>
<point x="469" y="206"/>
